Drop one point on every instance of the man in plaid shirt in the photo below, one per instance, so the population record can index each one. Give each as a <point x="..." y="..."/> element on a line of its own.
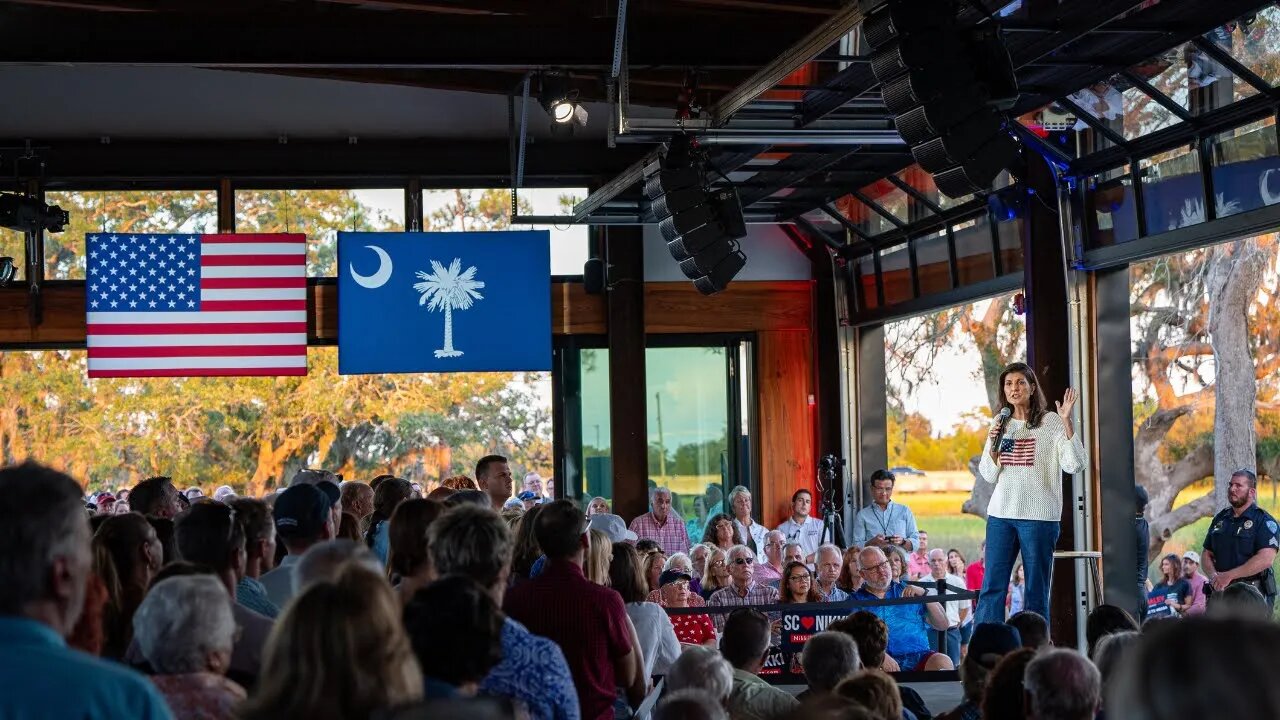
<point x="743" y="590"/>
<point x="661" y="525"/>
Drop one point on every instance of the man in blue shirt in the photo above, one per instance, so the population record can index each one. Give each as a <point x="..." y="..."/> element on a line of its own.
<point x="43" y="573"/>
<point x="909" y="644"/>
<point x="885" y="522"/>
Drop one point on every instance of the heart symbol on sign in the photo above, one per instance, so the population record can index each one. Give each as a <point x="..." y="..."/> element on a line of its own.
<point x="806" y="623"/>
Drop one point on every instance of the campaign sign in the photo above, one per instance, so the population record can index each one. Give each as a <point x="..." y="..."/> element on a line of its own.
<point x="444" y="301"/>
<point x="782" y="663"/>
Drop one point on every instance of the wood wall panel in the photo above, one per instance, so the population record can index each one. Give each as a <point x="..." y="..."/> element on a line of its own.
<point x="785" y="382"/>
<point x="676" y="307"/>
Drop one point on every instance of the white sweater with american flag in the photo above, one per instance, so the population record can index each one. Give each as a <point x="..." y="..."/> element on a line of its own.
<point x="1028" y="478"/>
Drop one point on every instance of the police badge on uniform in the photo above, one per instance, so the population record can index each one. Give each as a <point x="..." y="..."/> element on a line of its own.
<point x="1248" y="524"/>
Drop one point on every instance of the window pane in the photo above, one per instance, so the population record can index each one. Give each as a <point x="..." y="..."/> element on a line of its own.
<point x="597" y="455"/>
<point x="135" y="211"/>
<point x="569" y="243"/>
<point x="923" y="182"/>
<point x="973" y="250"/>
<point x="1110" y="209"/>
<point x="1244" y="168"/>
<point x="895" y="265"/>
<point x="13" y="245"/>
<point x="933" y="263"/>
<point x="1253" y="42"/>
<point x="1172" y="193"/>
<point x="867" y="279"/>
<point x="890" y="197"/>
<point x="688" y="410"/>
<point x="1010" y="235"/>
<point x="320" y="214"/>
<point x="1195" y="81"/>
<point x="1142" y="114"/>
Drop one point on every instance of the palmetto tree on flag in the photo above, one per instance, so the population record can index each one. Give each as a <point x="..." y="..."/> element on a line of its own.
<point x="448" y="289"/>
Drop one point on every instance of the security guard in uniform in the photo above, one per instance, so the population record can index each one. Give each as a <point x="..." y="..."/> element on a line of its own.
<point x="1242" y="540"/>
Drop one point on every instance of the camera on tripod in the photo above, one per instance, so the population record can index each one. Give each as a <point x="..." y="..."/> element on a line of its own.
<point x="830" y="470"/>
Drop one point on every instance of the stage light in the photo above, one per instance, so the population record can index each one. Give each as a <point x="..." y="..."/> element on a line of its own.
<point x="25" y="213"/>
<point x="7" y="270"/>
<point x="560" y="100"/>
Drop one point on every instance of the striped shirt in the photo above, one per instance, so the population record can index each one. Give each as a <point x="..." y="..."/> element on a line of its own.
<point x="671" y="535"/>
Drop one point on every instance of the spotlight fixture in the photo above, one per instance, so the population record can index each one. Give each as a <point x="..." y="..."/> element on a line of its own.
<point x="26" y="213"/>
<point x="560" y="100"/>
<point x="7" y="270"/>
<point x="701" y="226"/>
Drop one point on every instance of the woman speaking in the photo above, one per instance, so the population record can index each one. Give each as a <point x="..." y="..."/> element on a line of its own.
<point x="1028" y="450"/>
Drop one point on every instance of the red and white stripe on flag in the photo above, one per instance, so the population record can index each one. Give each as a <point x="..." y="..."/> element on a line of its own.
<point x="196" y="305"/>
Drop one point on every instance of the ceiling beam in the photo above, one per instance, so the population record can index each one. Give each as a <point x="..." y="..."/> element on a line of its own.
<point x="480" y="163"/>
<point x="341" y="37"/>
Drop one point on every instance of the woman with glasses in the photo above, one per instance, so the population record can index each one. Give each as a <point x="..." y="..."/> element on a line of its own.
<point x="722" y="533"/>
<point x="798" y="585"/>
<point x="715" y="573"/>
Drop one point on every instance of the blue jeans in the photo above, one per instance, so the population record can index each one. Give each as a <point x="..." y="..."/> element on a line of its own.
<point x="1005" y="538"/>
<point x="947" y="642"/>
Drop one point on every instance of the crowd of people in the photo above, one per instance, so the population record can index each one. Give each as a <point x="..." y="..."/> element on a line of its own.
<point x="341" y="599"/>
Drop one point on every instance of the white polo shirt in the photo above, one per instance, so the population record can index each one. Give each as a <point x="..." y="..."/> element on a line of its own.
<point x="808" y="535"/>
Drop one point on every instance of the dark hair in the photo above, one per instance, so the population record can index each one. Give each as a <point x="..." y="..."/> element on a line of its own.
<point x="849" y="579"/>
<point x="391" y="492"/>
<point x="348" y="528"/>
<point x="875" y="690"/>
<point x="709" y="534"/>
<point x="828" y="658"/>
<point x="1039" y="406"/>
<point x="1033" y="628"/>
<point x="626" y="573"/>
<point x="1241" y="601"/>
<point x="147" y="494"/>
<point x="455" y="629"/>
<point x="646" y="545"/>
<point x="745" y="638"/>
<point x="208" y="534"/>
<point x="784" y="585"/>
<point x="1230" y="677"/>
<point x="879" y="475"/>
<point x="802" y="491"/>
<point x="180" y="568"/>
<point x="164" y="533"/>
<point x="526" y="551"/>
<point x="1104" y="620"/>
<point x="869" y="633"/>
<point x="116" y="554"/>
<point x="559" y="529"/>
<point x="255" y="517"/>
<point x="482" y="465"/>
<point x="1247" y="474"/>
<point x="1003" y="699"/>
<point x="374" y="483"/>
<point x="407" y="535"/>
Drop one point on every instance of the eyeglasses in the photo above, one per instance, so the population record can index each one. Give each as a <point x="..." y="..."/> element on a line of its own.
<point x="743" y="561"/>
<point x="806" y="578"/>
<point x="717" y="563"/>
<point x="876" y="568"/>
<point x="679" y="584"/>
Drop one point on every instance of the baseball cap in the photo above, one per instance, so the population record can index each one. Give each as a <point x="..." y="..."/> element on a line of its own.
<point x="300" y="511"/>
<point x="613" y="526"/>
<point x="528" y="495"/>
<point x="992" y="641"/>
<point x="669" y="576"/>
<point x="1191" y="555"/>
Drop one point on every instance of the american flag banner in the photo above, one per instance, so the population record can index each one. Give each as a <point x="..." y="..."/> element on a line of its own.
<point x="196" y="305"/>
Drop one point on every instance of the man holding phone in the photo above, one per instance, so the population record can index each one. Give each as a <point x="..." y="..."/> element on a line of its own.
<point x="885" y="522"/>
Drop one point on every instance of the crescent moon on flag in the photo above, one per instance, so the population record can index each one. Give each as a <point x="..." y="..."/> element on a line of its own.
<point x="377" y="279"/>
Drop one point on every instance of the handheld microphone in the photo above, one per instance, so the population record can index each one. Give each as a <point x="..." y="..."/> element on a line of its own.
<point x="1002" y="420"/>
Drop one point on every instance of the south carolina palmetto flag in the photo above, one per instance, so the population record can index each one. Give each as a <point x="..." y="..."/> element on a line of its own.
<point x="196" y="305"/>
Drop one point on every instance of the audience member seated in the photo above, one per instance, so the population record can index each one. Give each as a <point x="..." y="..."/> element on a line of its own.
<point x="1062" y="685"/>
<point x="827" y="659"/>
<point x="156" y="497"/>
<point x="990" y="643"/>
<point x="357" y="499"/>
<point x="302" y="518"/>
<point x="1113" y="652"/>
<point x="209" y="535"/>
<point x="680" y="563"/>
<point x="652" y="564"/>
<point x="386" y="498"/>
<point x="1104" y="620"/>
<point x="702" y="670"/>
<point x="827" y="564"/>
<point x="87" y="633"/>
<point x="797" y="585"/>
<point x="722" y="532"/>
<point x="46" y="566"/>
<point x="1239" y="600"/>
<point x="676" y="591"/>
<point x="408" y="561"/>
<point x="526" y="551"/>
<point x="323" y="562"/>
<point x="898" y="562"/>
<point x="658" y="643"/>
<point x="186" y="630"/>
<point x="598" y="505"/>
<point x="1200" y="667"/>
<point x="871" y="635"/>
<point x="587" y="621"/>
<point x="698" y="558"/>
<point x="349" y="528"/>
<point x="849" y="580"/>
<point x="474" y="542"/>
<point x="456" y="632"/>
<point x="769" y="570"/>
<point x="688" y="705"/>
<point x="660" y="524"/>
<point x="743" y="590"/>
<point x="833" y="707"/>
<point x="259" y="530"/>
<point x="340" y="651"/>
<point x="744" y="644"/>
<point x="1032" y="628"/>
<point x="1171" y="593"/>
<point x="126" y="555"/>
<point x="715" y="572"/>
<point x="1004" y="697"/>
<point x="793" y="552"/>
<point x="877" y="692"/>
<point x="908" y="640"/>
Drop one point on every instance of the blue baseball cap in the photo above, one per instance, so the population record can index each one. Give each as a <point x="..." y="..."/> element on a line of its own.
<point x="301" y="511"/>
